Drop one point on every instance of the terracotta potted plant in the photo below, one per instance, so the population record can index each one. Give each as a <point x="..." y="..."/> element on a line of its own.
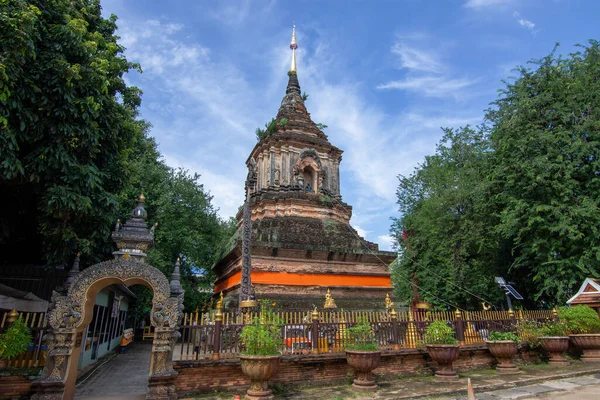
<point x="583" y="326"/>
<point x="260" y="359"/>
<point x="14" y="341"/>
<point x="443" y="348"/>
<point x="363" y="354"/>
<point x="555" y="342"/>
<point x="504" y="346"/>
<point x="529" y="332"/>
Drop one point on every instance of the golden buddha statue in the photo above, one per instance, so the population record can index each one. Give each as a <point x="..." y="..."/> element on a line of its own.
<point x="329" y="301"/>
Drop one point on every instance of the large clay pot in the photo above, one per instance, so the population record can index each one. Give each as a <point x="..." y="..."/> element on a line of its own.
<point x="444" y="355"/>
<point x="364" y="362"/>
<point x="555" y="346"/>
<point x="589" y="344"/>
<point x="504" y="351"/>
<point x="259" y="369"/>
<point x="3" y="363"/>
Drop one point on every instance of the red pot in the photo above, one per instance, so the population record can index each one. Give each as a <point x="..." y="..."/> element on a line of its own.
<point x="259" y="369"/>
<point x="444" y="355"/>
<point x="589" y="344"/>
<point x="504" y="351"/>
<point x="364" y="362"/>
<point x="555" y="346"/>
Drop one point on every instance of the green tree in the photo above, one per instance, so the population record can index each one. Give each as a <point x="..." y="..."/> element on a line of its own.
<point x="545" y="132"/>
<point x="519" y="199"/>
<point x="67" y="123"/>
<point x="446" y="242"/>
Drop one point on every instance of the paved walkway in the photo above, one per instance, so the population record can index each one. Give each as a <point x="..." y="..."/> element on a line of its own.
<point x="123" y="377"/>
<point x="577" y="388"/>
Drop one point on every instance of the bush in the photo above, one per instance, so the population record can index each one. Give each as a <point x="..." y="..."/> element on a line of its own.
<point x="579" y="320"/>
<point x="15" y="340"/>
<point x="555" y="328"/>
<point x="529" y="331"/>
<point x="496" y="336"/>
<point x="439" y="333"/>
<point x="361" y="337"/>
<point x="263" y="336"/>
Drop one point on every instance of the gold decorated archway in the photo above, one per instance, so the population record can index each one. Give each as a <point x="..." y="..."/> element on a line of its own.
<point x="71" y="312"/>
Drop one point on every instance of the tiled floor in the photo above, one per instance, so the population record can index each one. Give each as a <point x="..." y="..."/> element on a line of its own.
<point x="123" y="377"/>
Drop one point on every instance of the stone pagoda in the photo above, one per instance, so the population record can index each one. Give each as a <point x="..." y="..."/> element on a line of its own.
<point x="302" y="244"/>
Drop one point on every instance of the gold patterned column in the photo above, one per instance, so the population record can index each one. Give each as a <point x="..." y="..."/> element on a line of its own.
<point x="410" y="339"/>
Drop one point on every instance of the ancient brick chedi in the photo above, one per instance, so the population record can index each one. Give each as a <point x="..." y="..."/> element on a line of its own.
<point x="302" y="241"/>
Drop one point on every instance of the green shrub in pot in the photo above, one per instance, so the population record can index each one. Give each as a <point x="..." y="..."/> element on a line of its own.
<point x="579" y="319"/>
<point x="438" y="332"/>
<point x="360" y="337"/>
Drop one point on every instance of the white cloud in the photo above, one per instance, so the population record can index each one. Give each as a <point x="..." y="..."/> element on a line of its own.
<point x="203" y="111"/>
<point x="431" y="86"/>
<point x="480" y="4"/>
<point x="151" y="44"/>
<point x="427" y="75"/>
<point x="361" y="232"/>
<point x="237" y="13"/>
<point x="386" y="242"/>
<point x="413" y="58"/>
<point x="226" y="189"/>
<point x="525" y="23"/>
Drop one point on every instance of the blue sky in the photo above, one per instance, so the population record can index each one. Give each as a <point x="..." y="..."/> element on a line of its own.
<point x="383" y="75"/>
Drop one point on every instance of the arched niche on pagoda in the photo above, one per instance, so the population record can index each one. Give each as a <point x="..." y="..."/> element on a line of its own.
<point x="308" y="171"/>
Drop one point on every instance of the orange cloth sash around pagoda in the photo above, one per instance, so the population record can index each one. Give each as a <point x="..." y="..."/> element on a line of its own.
<point x="292" y="279"/>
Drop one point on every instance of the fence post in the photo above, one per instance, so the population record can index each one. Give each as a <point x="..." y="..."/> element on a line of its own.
<point x="410" y="338"/>
<point x="460" y="327"/>
<point x="395" y="341"/>
<point x="12" y="317"/>
<point x="554" y="314"/>
<point x="217" y="334"/>
<point x="315" y="331"/>
<point x="512" y="319"/>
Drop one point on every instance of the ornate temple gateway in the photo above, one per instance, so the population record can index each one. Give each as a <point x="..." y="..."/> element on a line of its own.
<point x="302" y="241"/>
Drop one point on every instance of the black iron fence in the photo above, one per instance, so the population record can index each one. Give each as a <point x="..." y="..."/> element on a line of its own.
<point x="217" y="336"/>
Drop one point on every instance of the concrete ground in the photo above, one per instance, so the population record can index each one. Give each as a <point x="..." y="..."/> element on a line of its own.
<point x="581" y="393"/>
<point x="580" y="388"/>
<point x="122" y="377"/>
<point x="578" y="381"/>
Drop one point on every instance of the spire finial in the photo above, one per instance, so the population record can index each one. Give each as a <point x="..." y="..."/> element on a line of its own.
<point x="73" y="272"/>
<point x="175" y="285"/>
<point x="293" y="46"/>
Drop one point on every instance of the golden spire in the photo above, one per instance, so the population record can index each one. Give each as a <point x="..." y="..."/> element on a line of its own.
<point x="293" y="46"/>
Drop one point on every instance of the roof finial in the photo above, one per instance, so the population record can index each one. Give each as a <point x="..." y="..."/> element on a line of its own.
<point x="293" y="46"/>
<point x="175" y="285"/>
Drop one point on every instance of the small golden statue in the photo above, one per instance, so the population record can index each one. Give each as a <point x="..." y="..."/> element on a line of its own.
<point x="329" y="302"/>
<point x="388" y="302"/>
<point x="485" y="306"/>
<point x="220" y="302"/>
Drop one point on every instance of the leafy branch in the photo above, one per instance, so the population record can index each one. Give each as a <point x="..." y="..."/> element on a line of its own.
<point x="270" y="128"/>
